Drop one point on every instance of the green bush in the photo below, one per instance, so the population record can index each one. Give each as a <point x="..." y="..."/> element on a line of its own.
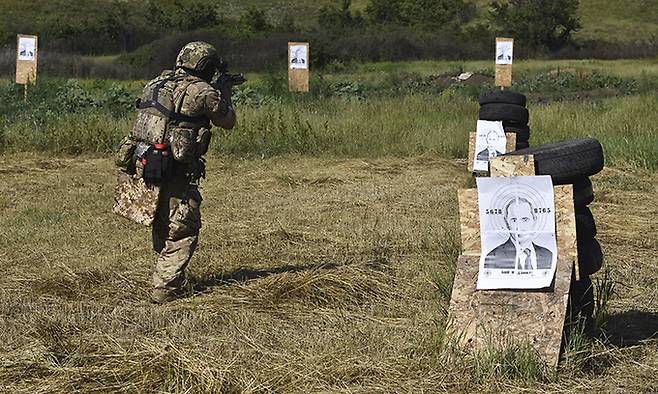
<point x="340" y="18"/>
<point x="537" y="24"/>
<point x="571" y="81"/>
<point x="254" y="20"/>
<point x="421" y="14"/>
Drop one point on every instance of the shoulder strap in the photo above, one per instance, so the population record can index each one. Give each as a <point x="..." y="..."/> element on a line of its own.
<point x="178" y="102"/>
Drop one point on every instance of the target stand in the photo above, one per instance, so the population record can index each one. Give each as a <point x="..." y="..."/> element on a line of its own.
<point x="298" y="78"/>
<point x="510" y="145"/>
<point x="481" y="318"/>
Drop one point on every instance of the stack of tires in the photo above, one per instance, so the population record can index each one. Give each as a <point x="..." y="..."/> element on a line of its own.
<point x="573" y="162"/>
<point x="509" y="107"/>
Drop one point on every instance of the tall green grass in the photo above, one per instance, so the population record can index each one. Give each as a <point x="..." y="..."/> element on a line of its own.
<point x="401" y="126"/>
<point x="627" y="127"/>
<point x="402" y="116"/>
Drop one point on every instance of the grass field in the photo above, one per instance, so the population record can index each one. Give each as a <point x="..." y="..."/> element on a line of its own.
<point x="623" y="68"/>
<point x="616" y="21"/>
<point x="311" y="275"/>
<point x="329" y="240"/>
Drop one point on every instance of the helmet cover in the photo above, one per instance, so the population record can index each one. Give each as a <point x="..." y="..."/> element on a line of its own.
<point x="197" y="56"/>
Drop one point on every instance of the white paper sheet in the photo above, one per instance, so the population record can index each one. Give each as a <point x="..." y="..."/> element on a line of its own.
<point x="490" y="142"/>
<point x="26" y="48"/>
<point x="517" y="227"/>
<point x="298" y="57"/>
<point x="504" y="52"/>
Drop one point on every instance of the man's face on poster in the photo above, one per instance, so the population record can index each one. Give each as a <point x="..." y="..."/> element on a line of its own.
<point x="492" y="139"/>
<point x="520" y="220"/>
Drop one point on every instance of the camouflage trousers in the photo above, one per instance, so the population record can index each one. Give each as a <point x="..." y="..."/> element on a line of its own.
<point x="175" y="232"/>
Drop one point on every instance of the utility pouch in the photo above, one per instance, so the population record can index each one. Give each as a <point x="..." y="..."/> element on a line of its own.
<point x="183" y="144"/>
<point x="202" y="141"/>
<point x="158" y="164"/>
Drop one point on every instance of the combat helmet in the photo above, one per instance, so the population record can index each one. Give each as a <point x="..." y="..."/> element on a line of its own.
<point x="197" y="57"/>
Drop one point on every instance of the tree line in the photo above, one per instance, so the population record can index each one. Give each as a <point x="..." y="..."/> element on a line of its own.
<point x="97" y="27"/>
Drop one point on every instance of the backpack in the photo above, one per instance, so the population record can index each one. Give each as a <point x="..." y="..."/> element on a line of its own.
<point x="157" y="109"/>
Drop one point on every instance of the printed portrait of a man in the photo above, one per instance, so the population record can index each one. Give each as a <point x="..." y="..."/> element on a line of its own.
<point x="298" y="57"/>
<point x="504" y="52"/>
<point x="519" y="251"/>
<point x="26" y="48"/>
<point x="26" y="51"/>
<point x="490" y="141"/>
<point x="490" y="151"/>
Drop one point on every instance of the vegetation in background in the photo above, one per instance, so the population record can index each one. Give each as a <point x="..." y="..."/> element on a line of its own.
<point x="100" y="26"/>
<point x="145" y="36"/>
<point x="421" y="14"/>
<point x="537" y="24"/>
<point x="618" y="21"/>
<point x="372" y="112"/>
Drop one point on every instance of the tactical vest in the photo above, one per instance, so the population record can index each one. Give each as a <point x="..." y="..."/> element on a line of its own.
<point x="160" y="106"/>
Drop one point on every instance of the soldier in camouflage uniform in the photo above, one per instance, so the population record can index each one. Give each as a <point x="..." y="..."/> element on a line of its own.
<point x="196" y="104"/>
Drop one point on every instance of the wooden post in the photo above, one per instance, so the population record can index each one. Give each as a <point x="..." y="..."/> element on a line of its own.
<point x="298" y="66"/>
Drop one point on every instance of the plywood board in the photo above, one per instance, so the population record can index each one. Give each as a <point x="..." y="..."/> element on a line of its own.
<point x="298" y="79"/>
<point x="482" y="318"/>
<point x="503" y="75"/>
<point x="469" y="222"/>
<point x="565" y="218"/>
<point x="471" y="150"/>
<point x="511" y="142"/>
<point x="512" y="165"/>
<point x="510" y="146"/>
<point x="26" y="70"/>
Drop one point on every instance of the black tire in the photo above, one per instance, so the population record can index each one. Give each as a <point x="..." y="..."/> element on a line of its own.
<point x="590" y="257"/>
<point x="585" y="225"/>
<point x="502" y="96"/>
<point x="522" y="145"/>
<point x="522" y="132"/>
<point x="581" y="297"/>
<point x="511" y="113"/>
<point x="583" y="193"/>
<point x="566" y="161"/>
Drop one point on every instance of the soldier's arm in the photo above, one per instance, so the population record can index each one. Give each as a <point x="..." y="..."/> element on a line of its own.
<point x="219" y="109"/>
<point x="227" y="121"/>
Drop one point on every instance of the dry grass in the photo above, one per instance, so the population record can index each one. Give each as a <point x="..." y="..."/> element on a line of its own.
<point x="312" y="275"/>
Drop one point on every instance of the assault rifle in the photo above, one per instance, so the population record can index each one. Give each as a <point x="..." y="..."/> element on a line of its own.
<point x="225" y="80"/>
